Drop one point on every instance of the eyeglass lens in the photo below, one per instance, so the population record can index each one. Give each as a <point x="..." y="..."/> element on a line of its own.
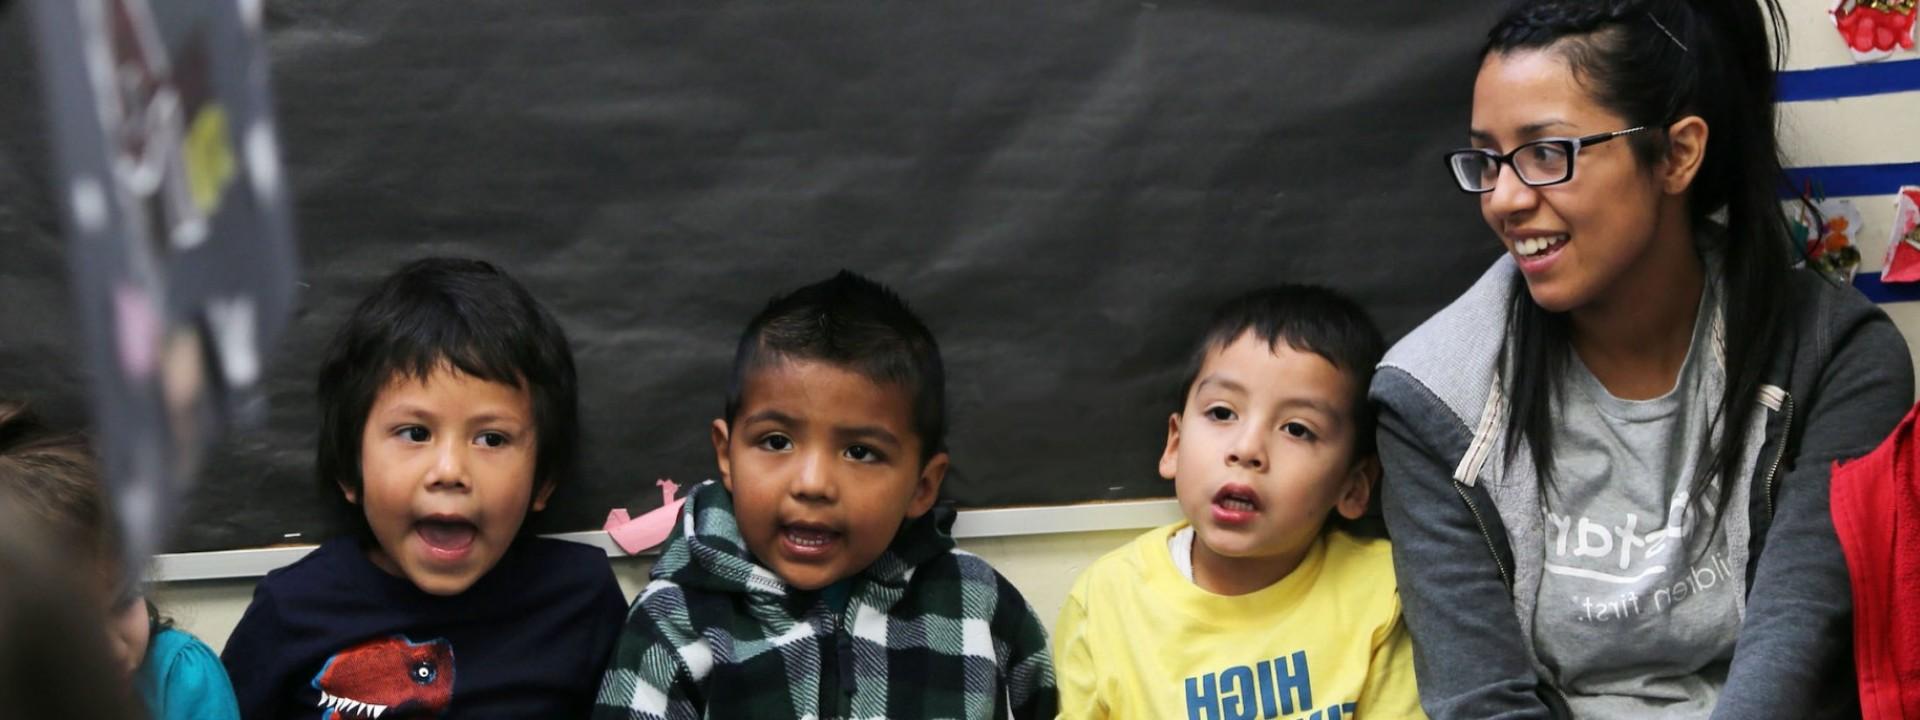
<point x="1538" y="164"/>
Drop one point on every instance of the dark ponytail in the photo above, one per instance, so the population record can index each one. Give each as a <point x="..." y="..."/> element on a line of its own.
<point x="1654" y="62"/>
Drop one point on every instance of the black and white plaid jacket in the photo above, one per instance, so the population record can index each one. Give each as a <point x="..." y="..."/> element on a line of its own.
<point x="928" y="632"/>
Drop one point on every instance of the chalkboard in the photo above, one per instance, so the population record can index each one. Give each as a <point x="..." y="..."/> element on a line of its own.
<point x="1062" y="190"/>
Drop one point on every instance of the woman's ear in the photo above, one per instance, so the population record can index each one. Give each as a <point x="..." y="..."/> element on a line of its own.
<point x="1686" y="150"/>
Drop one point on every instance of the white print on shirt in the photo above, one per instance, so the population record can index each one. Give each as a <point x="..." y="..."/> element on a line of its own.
<point x="1619" y="554"/>
<point x="1715" y="573"/>
<point x="1581" y="537"/>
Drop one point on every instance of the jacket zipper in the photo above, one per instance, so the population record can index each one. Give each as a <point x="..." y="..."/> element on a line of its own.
<point x="1780" y="453"/>
<point x="1484" y="534"/>
<point x="1555" y="709"/>
<point x="843" y="654"/>
<point x="836" y="700"/>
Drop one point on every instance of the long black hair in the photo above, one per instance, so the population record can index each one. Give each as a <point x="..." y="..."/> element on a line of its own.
<point x="1654" y="62"/>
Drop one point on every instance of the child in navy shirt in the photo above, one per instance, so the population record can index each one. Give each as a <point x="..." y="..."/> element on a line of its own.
<point x="448" y="414"/>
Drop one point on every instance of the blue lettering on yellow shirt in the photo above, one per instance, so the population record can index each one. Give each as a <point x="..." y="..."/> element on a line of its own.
<point x="1266" y="689"/>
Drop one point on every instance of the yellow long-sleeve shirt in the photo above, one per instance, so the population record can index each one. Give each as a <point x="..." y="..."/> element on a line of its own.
<point x="1136" y="639"/>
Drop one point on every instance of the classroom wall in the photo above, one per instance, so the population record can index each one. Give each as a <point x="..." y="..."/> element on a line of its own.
<point x="1841" y="132"/>
<point x="1042" y="566"/>
<point x="1866" y="130"/>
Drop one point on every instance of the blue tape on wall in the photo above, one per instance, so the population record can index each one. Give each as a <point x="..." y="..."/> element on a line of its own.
<point x="1850" y="180"/>
<point x="1846" y="81"/>
<point x="1881" y="293"/>
<point x="1849" y="81"/>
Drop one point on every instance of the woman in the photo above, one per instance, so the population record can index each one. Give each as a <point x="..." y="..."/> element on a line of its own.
<point x="1606" y="463"/>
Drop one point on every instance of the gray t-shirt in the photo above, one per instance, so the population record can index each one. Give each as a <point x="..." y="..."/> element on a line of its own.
<point x="1637" y="613"/>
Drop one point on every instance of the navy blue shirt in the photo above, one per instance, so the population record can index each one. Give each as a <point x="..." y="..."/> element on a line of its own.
<point x="334" y="637"/>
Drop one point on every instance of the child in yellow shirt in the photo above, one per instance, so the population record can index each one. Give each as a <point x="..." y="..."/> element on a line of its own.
<point x="1259" y="604"/>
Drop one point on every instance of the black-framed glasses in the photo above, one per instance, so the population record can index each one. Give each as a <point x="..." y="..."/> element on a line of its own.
<point x="1547" y="161"/>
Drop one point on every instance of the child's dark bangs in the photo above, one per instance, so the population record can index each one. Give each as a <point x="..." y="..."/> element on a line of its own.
<point x="447" y="341"/>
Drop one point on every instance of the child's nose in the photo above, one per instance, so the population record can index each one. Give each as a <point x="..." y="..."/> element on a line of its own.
<point x="449" y="471"/>
<point x="1249" y="449"/>
<point x="814" y="480"/>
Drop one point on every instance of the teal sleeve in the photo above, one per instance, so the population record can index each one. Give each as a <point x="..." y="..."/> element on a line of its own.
<point x="183" y="680"/>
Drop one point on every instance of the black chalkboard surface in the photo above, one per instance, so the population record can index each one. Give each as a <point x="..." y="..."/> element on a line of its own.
<point x="1062" y="189"/>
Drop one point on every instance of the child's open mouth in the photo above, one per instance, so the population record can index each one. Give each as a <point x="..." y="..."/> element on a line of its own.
<point x="446" y="537"/>
<point x="1235" y="504"/>
<point x="807" y="540"/>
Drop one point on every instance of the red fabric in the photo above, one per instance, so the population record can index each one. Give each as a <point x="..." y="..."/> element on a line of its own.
<point x="1876" y="511"/>
<point x="1903" y="264"/>
<point x="1903" y="259"/>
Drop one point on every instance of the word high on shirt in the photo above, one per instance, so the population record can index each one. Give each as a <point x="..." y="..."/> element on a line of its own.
<point x="1266" y="689"/>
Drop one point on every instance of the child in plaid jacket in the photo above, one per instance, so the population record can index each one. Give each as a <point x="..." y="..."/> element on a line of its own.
<point x="818" y="579"/>
<point x="925" y="632"/>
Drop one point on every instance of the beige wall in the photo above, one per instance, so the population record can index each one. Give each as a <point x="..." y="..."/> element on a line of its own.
<point x="1044" y="566"/>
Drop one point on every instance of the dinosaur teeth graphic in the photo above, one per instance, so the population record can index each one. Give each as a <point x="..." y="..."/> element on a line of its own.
<point x="390" y="676"/>
<point x="345" y="707"/>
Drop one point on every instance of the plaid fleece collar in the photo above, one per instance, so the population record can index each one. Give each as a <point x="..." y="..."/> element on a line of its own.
<point x="715" y="555"/>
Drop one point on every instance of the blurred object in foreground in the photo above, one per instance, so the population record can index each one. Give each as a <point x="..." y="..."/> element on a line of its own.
<point x="175" y="210"/>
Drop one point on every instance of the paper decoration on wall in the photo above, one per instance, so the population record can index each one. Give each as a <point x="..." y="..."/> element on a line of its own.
<point x="181" y="248"/>
<point x="1903" y="248"/>
<point x="636" y="535"/>
<point x="1827" y="239"/>
<point x="1875" y="29"/>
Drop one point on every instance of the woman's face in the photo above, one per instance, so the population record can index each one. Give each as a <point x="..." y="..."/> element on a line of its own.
<point x="1596" y="226"/>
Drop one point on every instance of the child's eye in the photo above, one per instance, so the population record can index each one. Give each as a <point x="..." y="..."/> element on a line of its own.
<point x="1297" y="430"/>
<point x="415" y="433"/>
<point x="776" y="443"/>
<point x="1219" y="413"/>
<point x="493" y="439"/>
<point x="863" y="454"/>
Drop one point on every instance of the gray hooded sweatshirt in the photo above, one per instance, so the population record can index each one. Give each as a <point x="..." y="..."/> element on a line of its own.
<point x="1468" y="528"/>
